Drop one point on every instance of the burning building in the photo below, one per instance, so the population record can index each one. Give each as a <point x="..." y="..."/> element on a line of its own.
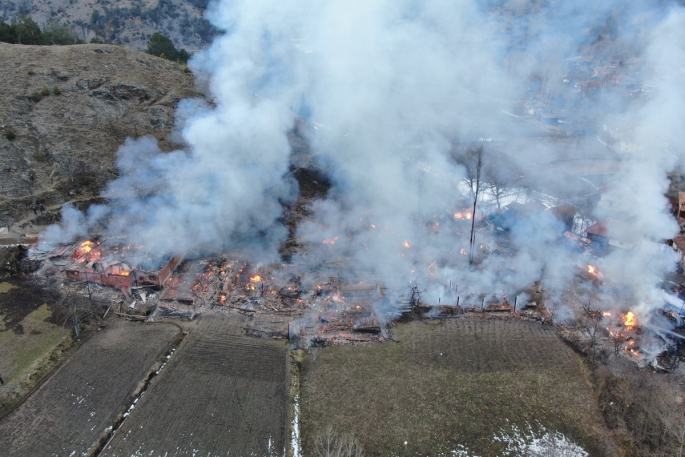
<point x="106" y="264"/>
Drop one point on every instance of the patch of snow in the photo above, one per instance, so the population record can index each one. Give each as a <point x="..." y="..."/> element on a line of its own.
<point x="295" y="439"/>
<point x="540" y="443"/>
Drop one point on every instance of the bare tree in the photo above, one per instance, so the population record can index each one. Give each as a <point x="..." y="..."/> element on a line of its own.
<point x="674" y="424"/>
<point x="470" y="161"/>
<point x="500" y="174"/>
<point x="78" y="309"/>
<point x="618" y="338"/>
<point x="590" y="320"/>
<point x="415" y="297"/>
<point x="332" y="444"/>
<point x="72" y="166"/>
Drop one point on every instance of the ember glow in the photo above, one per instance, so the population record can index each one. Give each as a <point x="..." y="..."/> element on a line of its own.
<point x="463" y="215"/>
<point x="406" y="244"/>
<point x="255" y="278"/>
<point x="432" y="268"/>
<point x="330" y="240"/>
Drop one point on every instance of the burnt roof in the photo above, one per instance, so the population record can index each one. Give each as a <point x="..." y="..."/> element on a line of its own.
<point x="599" y="229"/>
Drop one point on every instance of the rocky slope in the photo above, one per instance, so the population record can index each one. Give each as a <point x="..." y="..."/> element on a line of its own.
<point x="62" y="148"/>
<point x="126" y="22"/>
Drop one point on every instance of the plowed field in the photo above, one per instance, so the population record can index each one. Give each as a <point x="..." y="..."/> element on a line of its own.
<point x="68" y="414"/>
<point x="221" y="394"/>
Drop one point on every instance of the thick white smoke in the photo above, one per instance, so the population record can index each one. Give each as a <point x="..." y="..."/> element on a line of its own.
<point x="395" y="95"/>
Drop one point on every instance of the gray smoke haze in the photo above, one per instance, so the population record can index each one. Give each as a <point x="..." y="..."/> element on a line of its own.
<point x="395" y="96"/>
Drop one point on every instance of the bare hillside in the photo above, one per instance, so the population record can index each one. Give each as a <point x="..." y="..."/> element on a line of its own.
<point x="61" y="147"/>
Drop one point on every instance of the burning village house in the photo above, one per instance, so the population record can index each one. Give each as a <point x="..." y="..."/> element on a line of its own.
<point x="284" y="299"/>
<point x="113" y="264"/>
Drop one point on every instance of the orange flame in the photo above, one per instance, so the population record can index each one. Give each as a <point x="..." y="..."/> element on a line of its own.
<point x="595" y="271"/>
<point x="406" y="244"/>
<point x="330" y="240"/>
<point x="125" y="272"/>
<point x="255" y="278"/>
<point x="84" y="248"/>
<point x="463" y="215"/>
<point x="606" y="313"/>
<point x="629" y="320"/>
<point x="222" y="298"/>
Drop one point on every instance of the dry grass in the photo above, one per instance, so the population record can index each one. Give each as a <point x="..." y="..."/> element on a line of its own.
<point x="19" y="351"/>
<point x="448" y="383"/>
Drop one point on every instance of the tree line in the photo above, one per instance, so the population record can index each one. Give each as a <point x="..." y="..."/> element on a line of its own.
<point x="27" y="31"/>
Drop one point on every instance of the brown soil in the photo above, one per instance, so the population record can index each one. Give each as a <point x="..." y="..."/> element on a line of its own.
<point x="73" y="409"/>
<point x="221" y="394"/>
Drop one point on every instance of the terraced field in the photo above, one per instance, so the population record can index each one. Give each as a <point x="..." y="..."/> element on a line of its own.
<point x="222" y="393"/>
<point x="447" y="384"/>
<point x="73" y="409"/>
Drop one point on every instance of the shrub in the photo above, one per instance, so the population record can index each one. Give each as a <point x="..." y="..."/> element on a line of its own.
<point x="36" y="97"/>
<point x="96" y="40"/>
<point x="63" y="77"/>
<point x="56" y="91"/>
<point x="31" y="72"/>
<point x="44" y="92"/>
<point x="10" y="135"/>
<point x="332" y="444"/>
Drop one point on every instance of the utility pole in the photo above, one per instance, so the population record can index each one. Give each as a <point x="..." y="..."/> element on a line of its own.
<point x="420" y="195"/>
<point x="472" y="241"/>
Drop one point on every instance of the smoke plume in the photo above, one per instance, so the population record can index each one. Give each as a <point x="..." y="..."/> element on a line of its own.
<point x="397" y="98"/>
